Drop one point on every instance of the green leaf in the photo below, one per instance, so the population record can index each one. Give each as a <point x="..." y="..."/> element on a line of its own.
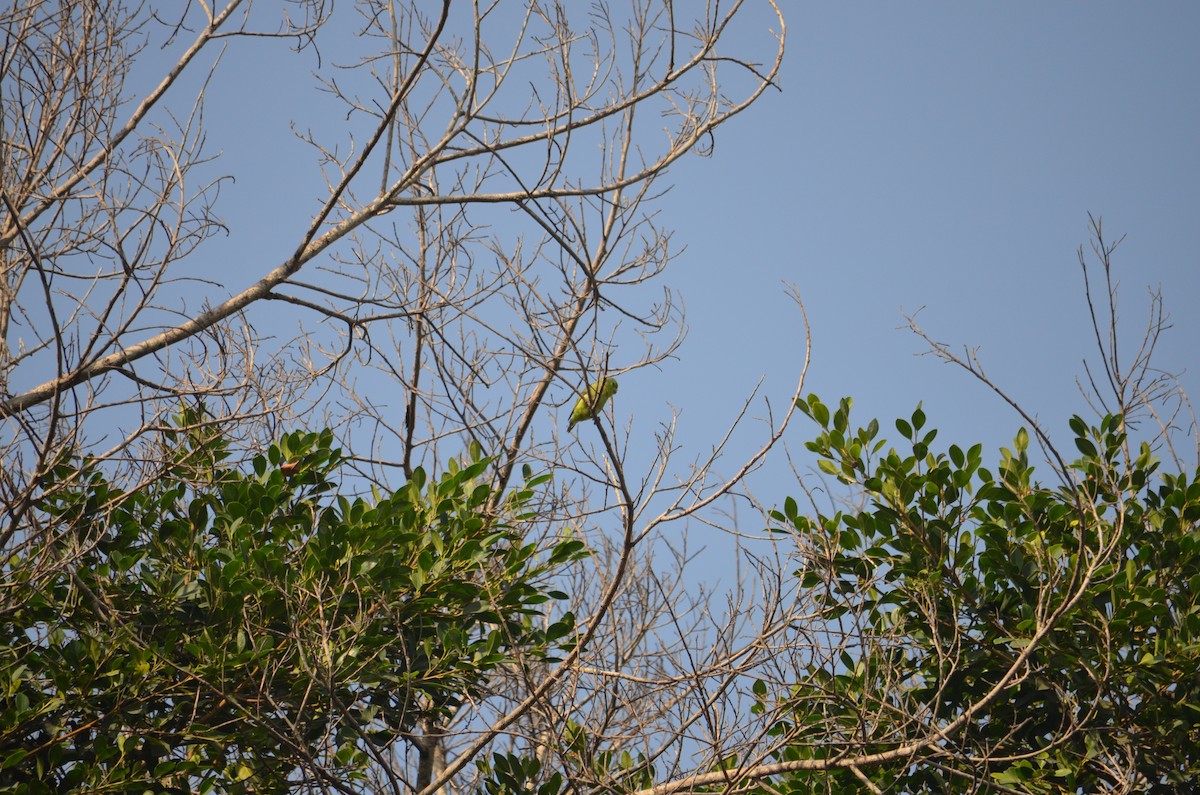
<point x="820" y="413"/>
<point x="1078" y="426"/>
<point x="956" y="456"/>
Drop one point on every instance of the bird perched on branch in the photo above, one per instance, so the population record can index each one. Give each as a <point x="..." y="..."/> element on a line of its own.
<point x="592" y="401"/>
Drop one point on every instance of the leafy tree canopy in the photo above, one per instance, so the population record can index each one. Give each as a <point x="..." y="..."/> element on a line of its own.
<point x="996" y="633"/>
<point x="219" y="629"/>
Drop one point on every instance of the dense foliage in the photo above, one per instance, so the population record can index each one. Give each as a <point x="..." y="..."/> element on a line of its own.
<point x="220" y="629"/>
<point x="999" y="634"/>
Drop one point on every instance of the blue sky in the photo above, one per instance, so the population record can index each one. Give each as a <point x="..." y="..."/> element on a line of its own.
<point x="944" y="156"/>
<point x="940" y="157"/>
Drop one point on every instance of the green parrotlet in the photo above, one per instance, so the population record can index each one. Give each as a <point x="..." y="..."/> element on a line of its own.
<point x="592" y="401"/>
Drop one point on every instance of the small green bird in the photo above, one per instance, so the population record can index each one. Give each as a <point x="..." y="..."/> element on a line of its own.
<point x="593" y="400"/>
